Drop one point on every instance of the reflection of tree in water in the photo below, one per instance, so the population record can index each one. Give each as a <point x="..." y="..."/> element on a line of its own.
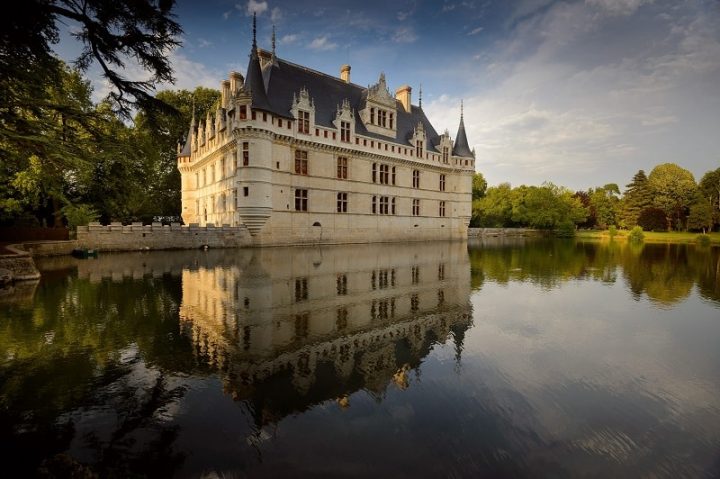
<point x="78" y="349"/>
<point x="664" y="272"/>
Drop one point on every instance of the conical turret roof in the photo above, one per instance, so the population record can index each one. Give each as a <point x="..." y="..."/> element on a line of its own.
<point x="461" y="147"/>
<point x="254" y="80"/>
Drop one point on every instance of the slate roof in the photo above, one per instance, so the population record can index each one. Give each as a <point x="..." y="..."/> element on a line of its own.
<point x="283" y="79"/>
<point x="461" y="147"/>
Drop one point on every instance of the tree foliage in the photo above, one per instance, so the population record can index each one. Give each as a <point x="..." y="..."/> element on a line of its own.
<point x="710" y="189"/>
<point x="479" y="186"/>
<point x="652" y="219"/>
<point x="673" y="189"/>
<point x="636" y="198"/>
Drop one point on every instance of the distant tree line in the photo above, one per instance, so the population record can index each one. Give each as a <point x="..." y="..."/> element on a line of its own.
<point x="667" y="199"/>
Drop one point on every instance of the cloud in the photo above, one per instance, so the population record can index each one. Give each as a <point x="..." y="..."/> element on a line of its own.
<point x="322" y="43"/>
<point x="403" y="15"/>
<point x="203" y="43"/>
<point x="289" y="39"/>
<point x="404" y="35"/>
<point x="275" y="14"/>
<point x="448" y="7"/>
<point x="475" y="31"/>
<point x="253" y="6"/>
<point x="227" y="14"/>
<point x="618" y="7"/>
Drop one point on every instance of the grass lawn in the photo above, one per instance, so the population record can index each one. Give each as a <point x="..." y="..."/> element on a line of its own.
<point x="650" y="236"/>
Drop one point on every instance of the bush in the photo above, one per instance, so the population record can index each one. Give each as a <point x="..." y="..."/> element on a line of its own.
<point x="703" y="240"/>
<point x="79" y="215"/>
<point x="612" y="231"/>
<point x="636" y="235"/>
<point x="652" y="219"/>
<point x="565" y="229"/>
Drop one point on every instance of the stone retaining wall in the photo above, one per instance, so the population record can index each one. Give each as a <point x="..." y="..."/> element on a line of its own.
<point x="134" y="237"/>
<point x="472" y="232"/>
<point x="18" y="266"/>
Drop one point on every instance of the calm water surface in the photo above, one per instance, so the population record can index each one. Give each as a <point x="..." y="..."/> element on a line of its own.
<point x="497" y="359"/>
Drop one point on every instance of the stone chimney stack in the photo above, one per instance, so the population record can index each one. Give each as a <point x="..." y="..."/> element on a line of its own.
<point x="345" y="73"/>
<point x="402" y="94"/>
<point x="224" y="93"/>
<point x="236" y="82"/>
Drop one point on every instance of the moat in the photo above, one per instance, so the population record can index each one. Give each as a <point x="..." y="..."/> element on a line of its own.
<point x="502" y="358"/>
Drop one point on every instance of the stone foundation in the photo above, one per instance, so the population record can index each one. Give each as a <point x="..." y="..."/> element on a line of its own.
<point x="480" y="232"/>
<point x="18" y="266"/>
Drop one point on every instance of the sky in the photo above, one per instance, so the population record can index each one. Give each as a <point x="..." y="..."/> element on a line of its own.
<point x="579" y="93"/>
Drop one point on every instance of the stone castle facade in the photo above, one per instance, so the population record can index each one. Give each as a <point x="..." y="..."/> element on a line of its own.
<point x="299" y="156"/>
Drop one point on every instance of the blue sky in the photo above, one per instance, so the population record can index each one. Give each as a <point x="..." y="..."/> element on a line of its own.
<point x="580" y="93"/>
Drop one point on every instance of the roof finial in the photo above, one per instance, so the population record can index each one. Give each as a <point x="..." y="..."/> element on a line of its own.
<point x="254" y="31"/>
<point x="273" y="42"/>
<point x="420" y="97"/>
<point x="461" y="109"/>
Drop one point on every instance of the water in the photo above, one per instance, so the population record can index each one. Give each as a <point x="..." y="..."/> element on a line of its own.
<point x="496" y="359"/>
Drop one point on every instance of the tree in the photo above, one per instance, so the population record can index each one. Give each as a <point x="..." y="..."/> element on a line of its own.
<point x="546" y="206"/>
<point x="710" y="189"/>
<point x="652" y="219"/>
<point x="479" y="186"/>
<point x="701" y="214"/>
<point x="673" y="190"/>
<point x="495" y="208"/>
<point x="604" y="202"/>
<point x="637" y="197"/>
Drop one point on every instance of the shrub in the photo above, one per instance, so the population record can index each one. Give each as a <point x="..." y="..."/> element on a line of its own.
<point x="565" y="229"/>
<point x="79" y="215"/>
<point x="703" y="240"/>
<point x="652" y="219"/>
<point x="636" y="235"/>
<point x="612" y="231"/>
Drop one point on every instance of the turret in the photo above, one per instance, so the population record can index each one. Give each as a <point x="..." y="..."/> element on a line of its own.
<point x="461" y="143"/>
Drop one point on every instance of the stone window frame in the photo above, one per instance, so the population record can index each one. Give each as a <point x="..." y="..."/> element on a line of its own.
<point x="342" y="167"/>
<point x="342" y="202"/>
<point x="301" y="162"/>
<point x="416" y="207"/>
<point x="442" y="182"/>
<point x="303" y="122"/>
<point x="441" y="209"/>
<point x="301" y="199"/>
<point x="416" y="179"/>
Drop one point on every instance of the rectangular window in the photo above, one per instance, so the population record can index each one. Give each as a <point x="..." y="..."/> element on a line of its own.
<point x="325" y="133"/>
<point x="445" y="154"/>
<point x="384" y="205"/>
<point x="416" y="207"/>
<point x="264" y="116"/>
<point x="246" y="153"/>
<point x="342" y="167"/>
<point x="243" y="112"/>
<point x="301" y="162"/>
<point x="342" y="202"/>
<point x="235" y="198"/>
<point x="393" y="174"/>
<point x="246" y="191"/>
<point x="416" y="178"/>
<point x="374" y="205"/>
<point x="415" y="274"/>
<point x="384" y="174"/>
<point x="442" y="208"/>
<point x="222" y="167"/>
<point x="204" y="176"/>
<point x="374" y="172"/>
<point x="212" y="204"/>
<point x="345" y="131"/>
<point x="254" y="115"/>
<point x="419" y="148"/>
<point x="392" y="117"/>
<point x="301" y="289"/>
<point x="303" y="122"/>
<point x="301" y="200"/>
<point x="392" y="206"/>
<point x="212" y="173"/>
<point x="223" y="202"/>
<point x="372" y="115"/>
<point x="341" y="284"/>
<point x="280" y="122"/>
<point x="442" y="182"/>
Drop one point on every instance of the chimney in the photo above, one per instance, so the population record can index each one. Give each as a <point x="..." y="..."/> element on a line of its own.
<point x="402" y="94"/>
<point x="224" y="93"/>
<point x="236" y="82"/>
<point x="345" y="73"/>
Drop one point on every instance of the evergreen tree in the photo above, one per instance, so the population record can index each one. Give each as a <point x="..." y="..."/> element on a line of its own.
<point x="638" y="197"/>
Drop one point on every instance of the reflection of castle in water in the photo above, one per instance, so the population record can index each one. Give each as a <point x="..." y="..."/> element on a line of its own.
<point x="293" y="327"/>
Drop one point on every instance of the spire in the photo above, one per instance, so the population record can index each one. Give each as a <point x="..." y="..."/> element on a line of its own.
<point x="420" y="97"/>
<point x="273" y="42"/>
<point x="254" y="80"/>
<point x="461" y="147"/>
<point x="254" y="45"/>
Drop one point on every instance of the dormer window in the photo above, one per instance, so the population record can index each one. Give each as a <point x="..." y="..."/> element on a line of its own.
<point x="382" y="118"/>
<point x="445" y="154"/>
<point x="345" y="131"/>
<point x="372" y="115"/>
<point x="392" y="115"/>
<point x="419" y="148"/>
<point x="303" y="122"/>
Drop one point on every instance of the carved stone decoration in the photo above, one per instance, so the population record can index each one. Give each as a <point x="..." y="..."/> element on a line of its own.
<point x="344" y="113"/>
<point x="379" y="93"/>
<point x="303" y="101"/>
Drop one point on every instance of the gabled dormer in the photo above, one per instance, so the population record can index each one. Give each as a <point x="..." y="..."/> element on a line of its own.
<point x="418" y="140"/>
<point x="445" y="147"/>
<point x="303" y="110"/>
<point x="380" y="112"/>
<point x="345" y="121"/>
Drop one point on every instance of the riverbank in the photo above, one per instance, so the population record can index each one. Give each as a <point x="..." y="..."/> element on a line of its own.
<point x="651" y="236"/>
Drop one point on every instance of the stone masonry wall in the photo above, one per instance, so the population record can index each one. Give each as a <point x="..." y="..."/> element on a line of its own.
<point x="473" y="232"/>
<point x="134" y="237"/>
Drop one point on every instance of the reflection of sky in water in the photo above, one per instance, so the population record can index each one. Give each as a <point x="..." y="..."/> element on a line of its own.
<point x="576" y="359"/>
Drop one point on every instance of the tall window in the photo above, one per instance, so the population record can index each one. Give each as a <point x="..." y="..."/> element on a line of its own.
<point x="374" y="172"/>
<point x="442" y="182"/>
<point x="393" y="175"/>
<point x="342" y="202"/>
<point x="243" y="112"/>
<point x="416" y="208"/>
<point x="445" y="154"/>
<point x="303" y="122"/>
<point x="301" y="162"/>
<point x="301" y="200"/>
<point x="204" y="176"/>
<point x="384" y="174"/>
<point x="222" y="167"/>
<point x="416" y="178"/>
<point x="392" y="116"/>
<point x="384" y="205"/>
<point x="246" y="153"/>
<point x="418" y="148"/>
<point x="345" y="131"/>
<point x="372" y="115"/>
<point x="212" y="204"/>
<point x="342" y="167"/>
<point x="392" y="206"/>
<point x="374" y="205"/>
<point x="442" y="208"/>
<point x="382" y="118"/>
<point x="223" y="200"/>
<point x="235" y="198"/>
<point x="212" y="173"/>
